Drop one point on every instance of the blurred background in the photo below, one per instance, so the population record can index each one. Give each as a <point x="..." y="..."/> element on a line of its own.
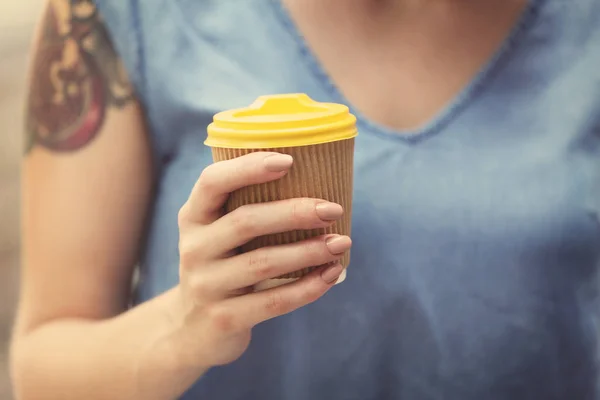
<point x="17" y="20"/>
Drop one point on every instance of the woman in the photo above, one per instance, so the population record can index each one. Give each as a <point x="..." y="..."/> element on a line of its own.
<point x="476" y="229"/>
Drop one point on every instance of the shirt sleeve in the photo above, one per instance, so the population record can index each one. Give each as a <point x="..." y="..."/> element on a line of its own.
<point x="122" y="21"/>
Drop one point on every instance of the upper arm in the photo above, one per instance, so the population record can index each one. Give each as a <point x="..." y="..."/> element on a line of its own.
<point x="86" y="172"/>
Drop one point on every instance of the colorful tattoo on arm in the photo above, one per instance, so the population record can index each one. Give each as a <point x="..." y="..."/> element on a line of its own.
<point x="76" y="77"/>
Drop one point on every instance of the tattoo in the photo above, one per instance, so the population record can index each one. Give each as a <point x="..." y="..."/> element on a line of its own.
<point x="76" y="77"/>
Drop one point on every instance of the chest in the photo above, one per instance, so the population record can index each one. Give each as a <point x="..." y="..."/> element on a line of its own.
<point x="515" y="160"/>
<point x="427" y="51"/>
<point x="535" y="196"/>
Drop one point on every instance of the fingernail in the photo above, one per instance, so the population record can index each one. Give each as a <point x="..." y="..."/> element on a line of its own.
<point x="338" y="244"/>
<point x="329" y="211"/>
<point x="341" y="278"/>
<point x="278" y="162"/>
<point x="332" y="273"/>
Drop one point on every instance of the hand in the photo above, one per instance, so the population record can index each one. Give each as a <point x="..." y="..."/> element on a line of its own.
<point x="219" y="307"/>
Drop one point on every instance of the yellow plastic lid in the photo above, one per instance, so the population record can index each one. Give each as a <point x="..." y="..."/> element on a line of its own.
<point x="285" y="120"/>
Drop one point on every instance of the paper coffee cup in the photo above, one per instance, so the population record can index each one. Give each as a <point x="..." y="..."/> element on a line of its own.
<point x="320" y="138"/>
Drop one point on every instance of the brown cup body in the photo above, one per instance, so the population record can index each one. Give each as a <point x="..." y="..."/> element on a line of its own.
<point x="321" y="171"/>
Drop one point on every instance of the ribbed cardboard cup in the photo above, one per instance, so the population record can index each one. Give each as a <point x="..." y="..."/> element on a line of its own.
<point x="320" y="138"/>
<point x="321" y="171"/>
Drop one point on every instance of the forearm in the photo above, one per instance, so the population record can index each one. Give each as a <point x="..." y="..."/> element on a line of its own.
<point x="133" y="356"/>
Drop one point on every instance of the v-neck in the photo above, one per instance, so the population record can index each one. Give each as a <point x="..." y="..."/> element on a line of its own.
<point x="447" y="112"/>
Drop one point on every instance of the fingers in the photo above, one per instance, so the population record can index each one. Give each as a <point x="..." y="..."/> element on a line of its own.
<point x="229" y="276"/>
<point x="219" y="179"/>
<point x="254" y="220"/>
<point x="244" y="312"/>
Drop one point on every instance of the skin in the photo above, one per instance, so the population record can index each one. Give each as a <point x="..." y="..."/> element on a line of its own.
<point x="425" y="50"/>
<point x="75" y="77"/>
<point x="87" y="186"/>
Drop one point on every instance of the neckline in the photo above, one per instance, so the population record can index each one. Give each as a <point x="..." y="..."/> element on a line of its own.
<point x="449" y="111"/>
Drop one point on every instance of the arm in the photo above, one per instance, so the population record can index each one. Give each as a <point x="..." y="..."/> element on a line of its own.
<point x="86" y="189"/>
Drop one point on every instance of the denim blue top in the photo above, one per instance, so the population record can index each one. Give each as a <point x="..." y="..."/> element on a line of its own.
<point x="474" y="270"/>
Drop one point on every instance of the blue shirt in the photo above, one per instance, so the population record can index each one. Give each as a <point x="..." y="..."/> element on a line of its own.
<point x="474" y="270"/>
